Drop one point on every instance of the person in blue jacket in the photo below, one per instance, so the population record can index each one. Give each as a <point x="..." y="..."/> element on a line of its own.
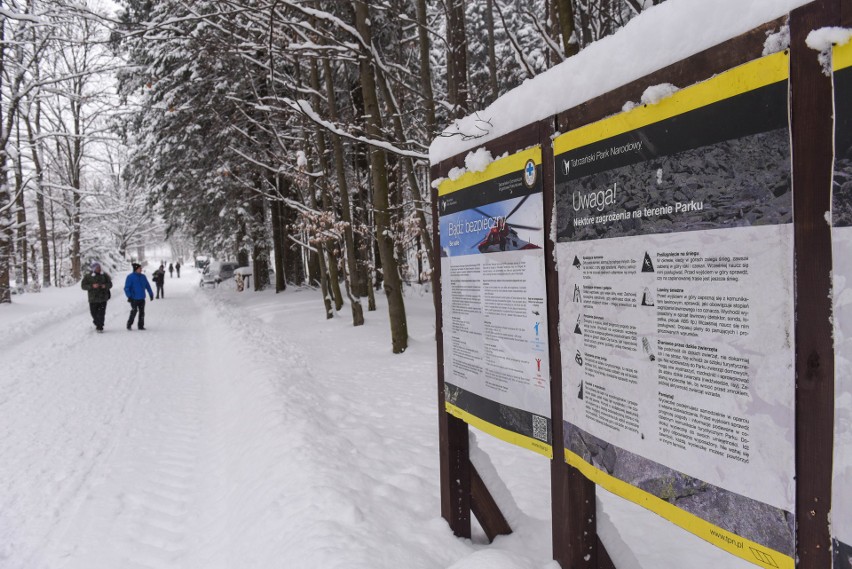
<point x="134" y="287"/>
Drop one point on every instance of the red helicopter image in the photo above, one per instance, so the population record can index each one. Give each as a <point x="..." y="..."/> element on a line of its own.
<point x="502" y="236"/>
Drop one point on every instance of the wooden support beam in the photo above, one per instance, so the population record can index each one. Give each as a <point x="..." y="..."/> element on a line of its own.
<point x="485" y="509"/>
<point x="811" y="109"/>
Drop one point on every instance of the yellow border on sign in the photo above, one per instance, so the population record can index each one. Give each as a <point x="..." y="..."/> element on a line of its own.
<point x="841" y="56"/>
<point x="498" y="168"/>
<point x="517" y="439"/>
<point x="747" y="77"/>
<point x="722" y="538"/>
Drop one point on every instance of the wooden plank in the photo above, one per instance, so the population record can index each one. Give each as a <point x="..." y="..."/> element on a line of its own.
<point x="454" y="445"/>
<point x="485" y="509"/>
<point x="693" y="69"/>
<point x="573" y="504"/>
<point x="812" y="138"/>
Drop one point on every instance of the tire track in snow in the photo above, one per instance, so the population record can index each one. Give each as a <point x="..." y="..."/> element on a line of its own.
<point x="143" y="515"/>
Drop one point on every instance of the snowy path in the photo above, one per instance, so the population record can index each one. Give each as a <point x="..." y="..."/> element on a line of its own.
<point x="101" y="448"/>
<point x="245" y="431"/>
<point x="210" y="440"/>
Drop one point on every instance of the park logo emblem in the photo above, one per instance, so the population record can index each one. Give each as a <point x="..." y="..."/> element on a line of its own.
<point x="530" y="174"/>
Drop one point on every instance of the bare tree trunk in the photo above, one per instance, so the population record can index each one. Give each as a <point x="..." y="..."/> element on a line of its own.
<point x="318" y="256"/>
<point x="259" y="237"/>
<point x="378" y="162"/>
<point x="426" y="69"/>
<point x="278" y="243"/>
<point x="21" y="229"/>
<point x="492" y="53"/>
<point x="353" y="286"/>
<point x="334" y="277"/>
<point x="76" y="174"/>
<point x="457" y="58"/>
<point x="407" y="163"/>
<point x="5" y="199"/>
<point x="39" y="181"/>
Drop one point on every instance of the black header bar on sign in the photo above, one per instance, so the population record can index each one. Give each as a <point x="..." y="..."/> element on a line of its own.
<point x="497" y="190"/>
<point x="756" y="111"/>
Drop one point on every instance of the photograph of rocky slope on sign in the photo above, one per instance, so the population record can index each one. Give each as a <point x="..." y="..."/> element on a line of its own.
<point x="736" y="183"/>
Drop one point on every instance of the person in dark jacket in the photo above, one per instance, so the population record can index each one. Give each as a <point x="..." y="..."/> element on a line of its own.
<point x="177" y="268"/>
<point x="98" y="284"/>
<point x="171" y="271"/>
<point x="159" y="280"/>
<point x="134" y="288"/>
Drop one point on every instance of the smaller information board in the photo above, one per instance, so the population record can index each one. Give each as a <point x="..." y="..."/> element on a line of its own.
<point x="496" y="367"/>
<point x="841" y="220"/>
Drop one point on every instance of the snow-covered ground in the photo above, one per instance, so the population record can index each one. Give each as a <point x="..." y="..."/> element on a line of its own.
<point x="243" y="430"/>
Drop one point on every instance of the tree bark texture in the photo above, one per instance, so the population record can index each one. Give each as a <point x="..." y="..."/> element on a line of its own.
<point x="457" y="58"/>
<point x="378" y="163"/>
<point x="345" y="207"/>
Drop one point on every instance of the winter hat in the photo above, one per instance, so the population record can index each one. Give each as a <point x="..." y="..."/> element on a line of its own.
<point x="135" y="265"/>
<point x="96" y="266"/>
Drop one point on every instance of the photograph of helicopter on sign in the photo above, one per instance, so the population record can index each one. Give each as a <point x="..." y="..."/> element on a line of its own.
<point x="495" y="228"/>
<point x="496" y="370"/>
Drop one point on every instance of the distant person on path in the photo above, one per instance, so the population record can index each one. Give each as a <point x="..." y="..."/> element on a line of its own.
<point x="160" y="280"/>
<point x="177" y="268"/>
<point x="98" y="284"/>
<point x="171" y="270"/>
<point x="134" y="288"/>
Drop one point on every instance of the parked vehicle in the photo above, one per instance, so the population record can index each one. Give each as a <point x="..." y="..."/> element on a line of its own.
<point x="216" y="272"/>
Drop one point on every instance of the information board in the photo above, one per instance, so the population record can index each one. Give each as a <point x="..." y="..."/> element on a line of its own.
<point x="496" y="367"/>
<point x="675" y="259"/>
<point x="841" y="233"/>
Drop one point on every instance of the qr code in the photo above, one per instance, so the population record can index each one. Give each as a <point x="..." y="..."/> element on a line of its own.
<point x="539" y="425"/>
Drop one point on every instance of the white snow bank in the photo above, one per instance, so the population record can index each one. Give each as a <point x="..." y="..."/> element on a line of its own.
<point x="658" y="37"/>
<point x="656" y="93"/>
<point x="823" y="38"/>
<point x="779" y="41"/>
<point x="478" y="161"/>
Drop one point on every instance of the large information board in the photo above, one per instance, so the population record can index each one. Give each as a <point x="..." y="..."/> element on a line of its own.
<point x="675" y="257"/>
<point x="841" y="219"/>
<point x="496" y="367"/>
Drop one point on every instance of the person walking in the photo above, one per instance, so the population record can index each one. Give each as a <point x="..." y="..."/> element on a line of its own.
<point x="171" y="271"/>
<point x="135" y="286"/>
<point x="160" y="280"/>
<point x="177" y="268"/>
<point x="97" y="283"/>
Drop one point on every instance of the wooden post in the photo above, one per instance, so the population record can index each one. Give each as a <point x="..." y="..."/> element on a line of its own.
<point x="573" y="502"/>
<point x="452" y="432"/>
<point x="811" y="110"/>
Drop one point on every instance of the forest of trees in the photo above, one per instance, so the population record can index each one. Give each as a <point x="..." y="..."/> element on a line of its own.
<point x="286" y="134"/>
